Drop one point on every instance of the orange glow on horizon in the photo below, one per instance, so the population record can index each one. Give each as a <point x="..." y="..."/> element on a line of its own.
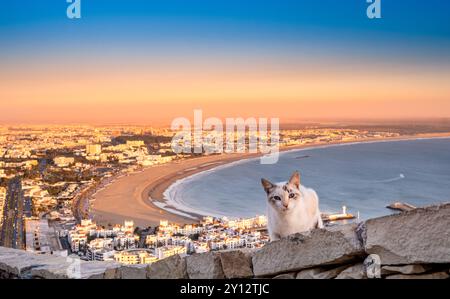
<point x="147" y="93"/>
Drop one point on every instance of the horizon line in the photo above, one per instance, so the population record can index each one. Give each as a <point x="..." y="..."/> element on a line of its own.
<point x="358" y="120"/>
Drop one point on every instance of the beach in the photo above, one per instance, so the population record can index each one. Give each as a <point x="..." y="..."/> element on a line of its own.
<point x="128" y="197"/>
<point x="139" y="196"/>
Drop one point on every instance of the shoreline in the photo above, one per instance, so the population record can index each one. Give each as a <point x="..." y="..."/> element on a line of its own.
<point x="145" y="190"/>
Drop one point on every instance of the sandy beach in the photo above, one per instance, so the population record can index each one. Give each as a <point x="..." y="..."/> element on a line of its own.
<point x="131" y="196"/>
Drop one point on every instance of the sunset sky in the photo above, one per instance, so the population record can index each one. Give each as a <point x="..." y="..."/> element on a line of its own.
<point x="149" y="61"/>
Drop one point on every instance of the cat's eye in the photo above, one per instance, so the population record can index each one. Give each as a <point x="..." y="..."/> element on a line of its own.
<point x="276" y="198"/>
<point x="292" y="195"/>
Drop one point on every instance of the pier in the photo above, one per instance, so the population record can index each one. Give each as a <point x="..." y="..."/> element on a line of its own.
<point x="339" y="216"/>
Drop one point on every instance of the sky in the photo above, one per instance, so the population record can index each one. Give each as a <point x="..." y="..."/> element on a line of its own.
<point x="150" y="61"/>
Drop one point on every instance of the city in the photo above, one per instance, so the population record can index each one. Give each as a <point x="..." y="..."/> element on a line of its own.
<point x="50" y="175"/>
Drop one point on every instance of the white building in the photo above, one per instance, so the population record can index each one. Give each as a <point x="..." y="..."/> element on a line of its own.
<point x="153" y="241"/>
<point x="188" y="230"/>
<point x="63" y="161"/>
<point x="101" y="254"/>
<point x="100" y="249"/>
<point x="168" y="251"/>
<point x="93" y="149"/>
<point x="125" y="241"/>
<point x="76" y="240"/>
<point x="135" y="257"/>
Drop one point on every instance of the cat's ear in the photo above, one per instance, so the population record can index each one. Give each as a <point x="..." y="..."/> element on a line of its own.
<point x="295" y="179"/>
<point x="267" y="185"/>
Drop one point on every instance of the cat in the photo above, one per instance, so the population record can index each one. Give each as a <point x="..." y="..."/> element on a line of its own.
<point x="291" y="208"/>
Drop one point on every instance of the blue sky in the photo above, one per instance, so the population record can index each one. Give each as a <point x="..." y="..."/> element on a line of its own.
<point x="286" y="22"/>
<point x="410" y="17"/>
<point x="233" y="45"/>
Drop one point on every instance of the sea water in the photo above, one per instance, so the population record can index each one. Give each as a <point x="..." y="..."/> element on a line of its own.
<point x="365" y="177"/>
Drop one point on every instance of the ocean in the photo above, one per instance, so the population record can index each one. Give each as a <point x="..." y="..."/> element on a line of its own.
<point x="365" y="177"/>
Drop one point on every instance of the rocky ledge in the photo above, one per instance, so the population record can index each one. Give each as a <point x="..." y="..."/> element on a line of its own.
<point x="410" y="245"/>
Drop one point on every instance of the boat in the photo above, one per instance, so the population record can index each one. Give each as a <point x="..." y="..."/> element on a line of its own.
<point x="401" y="206"/>
<point x="338" y="216"/>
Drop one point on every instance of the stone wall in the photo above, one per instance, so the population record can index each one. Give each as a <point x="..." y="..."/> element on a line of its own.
<point x="413" y="244"/>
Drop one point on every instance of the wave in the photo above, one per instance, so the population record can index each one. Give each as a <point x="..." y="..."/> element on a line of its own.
<point x="174" y="199"/>
<point x="401" y="176"/>
<point x="163" y="206"/>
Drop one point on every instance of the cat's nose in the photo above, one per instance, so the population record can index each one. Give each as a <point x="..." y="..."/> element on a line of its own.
<point x="285" y="204"/>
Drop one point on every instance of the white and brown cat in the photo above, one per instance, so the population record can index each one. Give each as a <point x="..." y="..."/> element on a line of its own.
<point x="291" y="208"/>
